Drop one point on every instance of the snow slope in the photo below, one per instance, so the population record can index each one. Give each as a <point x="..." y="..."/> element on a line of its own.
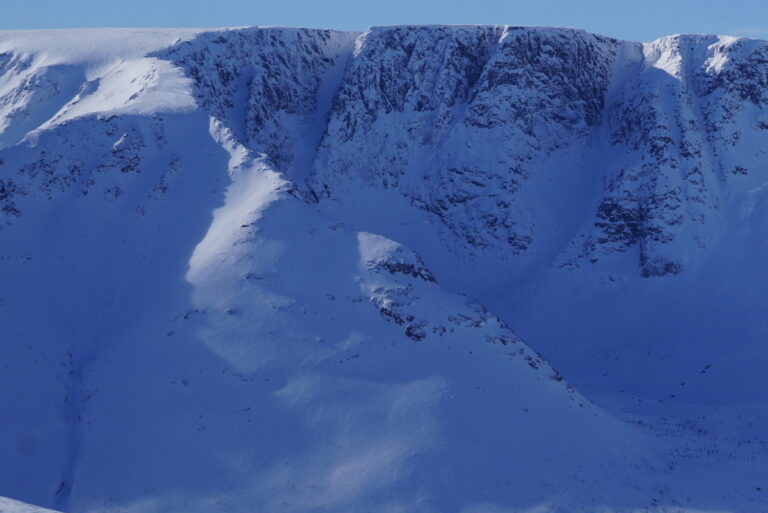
<point x="12" y="506"/>
<point x="271" y="269"/>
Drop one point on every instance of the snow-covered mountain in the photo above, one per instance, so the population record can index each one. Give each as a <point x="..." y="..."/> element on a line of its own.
<point x="464" y="269"/>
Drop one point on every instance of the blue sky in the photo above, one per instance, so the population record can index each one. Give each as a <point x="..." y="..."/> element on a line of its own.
<point x="636" y="19"/>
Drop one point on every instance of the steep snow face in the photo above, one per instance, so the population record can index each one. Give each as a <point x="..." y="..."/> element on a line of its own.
<point x="681" y="116"/>
<point x="457" y="119"/>
<point x="304" y="270"/>
<point x="469" y="124"/>
<point x="270" y="87"/>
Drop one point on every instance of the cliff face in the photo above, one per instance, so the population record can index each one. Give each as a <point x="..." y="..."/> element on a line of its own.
<point x="457" y="120"/>
<point x="462" y="122"/>
<point x="308" y="270"/>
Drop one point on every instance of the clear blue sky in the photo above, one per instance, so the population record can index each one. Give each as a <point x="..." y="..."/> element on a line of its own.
<point x="635" y="19"/>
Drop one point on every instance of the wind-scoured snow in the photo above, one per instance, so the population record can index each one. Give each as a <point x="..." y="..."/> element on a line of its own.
<point x="437" y="269"/>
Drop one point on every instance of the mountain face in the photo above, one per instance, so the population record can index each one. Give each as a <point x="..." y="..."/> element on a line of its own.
<point x="425" y="269"/>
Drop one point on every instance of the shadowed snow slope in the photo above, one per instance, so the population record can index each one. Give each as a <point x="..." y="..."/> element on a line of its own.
<point x="270" y="269"/>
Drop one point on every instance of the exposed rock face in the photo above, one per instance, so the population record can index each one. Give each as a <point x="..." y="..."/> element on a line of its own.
<point x="461" y="121"/>
<point x="676" y="116"/>
<point x="457" y="119"/>
<point x="263" y="84"/>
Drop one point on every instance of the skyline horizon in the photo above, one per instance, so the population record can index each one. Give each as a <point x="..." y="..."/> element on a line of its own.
<point x="762" y="37"/>
<point x="633" y="22"/>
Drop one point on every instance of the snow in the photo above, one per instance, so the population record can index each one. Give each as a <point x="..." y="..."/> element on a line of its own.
<point x="12" y="506"/>
<point x="141" y="87"/>
<point x="86" y="72"/>
<point x="91" y="48"/>
<point x="271" y="269"/>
